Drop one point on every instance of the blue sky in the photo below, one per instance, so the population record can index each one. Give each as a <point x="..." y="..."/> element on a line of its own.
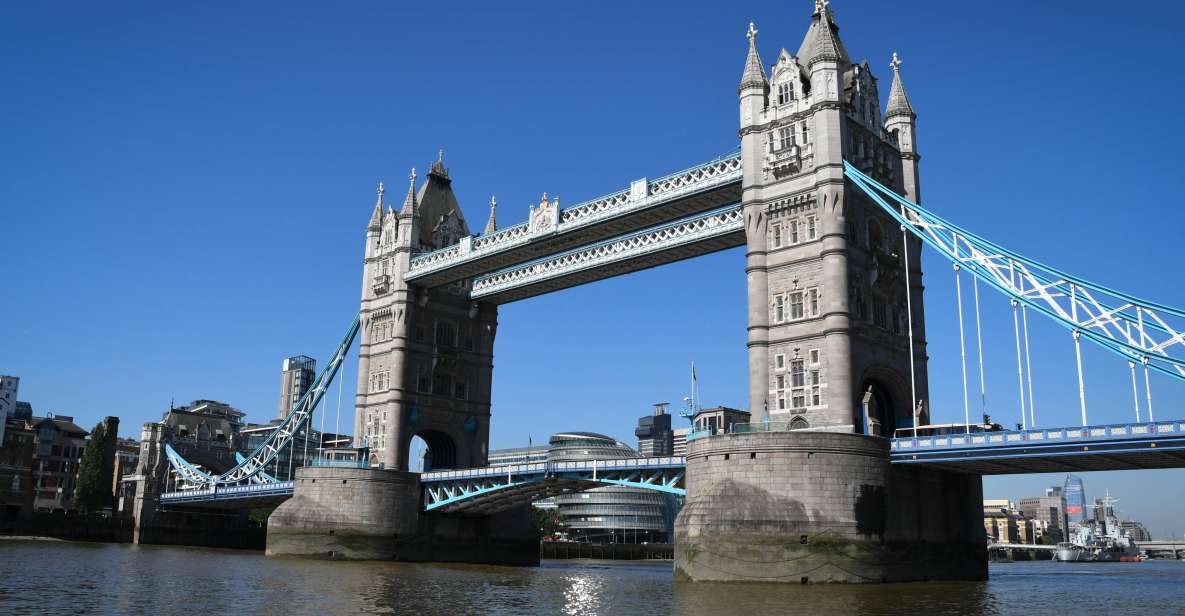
<point x="184" y="189"/>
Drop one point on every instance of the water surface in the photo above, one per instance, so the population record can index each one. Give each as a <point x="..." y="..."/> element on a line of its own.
<point x="38" y="577"/>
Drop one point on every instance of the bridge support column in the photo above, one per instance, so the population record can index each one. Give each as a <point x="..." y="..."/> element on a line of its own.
<point x="373" y="514"/>
<point x="813" y="507"/>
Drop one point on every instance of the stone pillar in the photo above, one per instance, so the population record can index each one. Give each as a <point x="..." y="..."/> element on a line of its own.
<point x="815" y="507"/>
<point x="372" y="514"/>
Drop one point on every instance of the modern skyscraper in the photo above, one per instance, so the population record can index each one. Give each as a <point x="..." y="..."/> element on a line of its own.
<point x="297" y="376"/>
<point x="1075" y="495"/>
<point x="655" y="438"/>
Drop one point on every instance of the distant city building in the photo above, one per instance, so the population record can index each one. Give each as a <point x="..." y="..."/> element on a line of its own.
<point x="1004" y="523"/>
<point x="16" y="470"/>
<point x="57" y="455"/>
<point x="1135" y="530"/>
<point x="1048" y="512"/>
<point x="1075" y="494"/>
<point x="204" y="432"/>
<point x="297" y="375"/>
<point x="127" y="458"/>
<point x="518" y="455"/>
<point x="601" y="515"/>
<point x="655" y="437"/>
<point x="8" y="389"/>
<point x="24" y="410"/>
<point x="679" y="442"/>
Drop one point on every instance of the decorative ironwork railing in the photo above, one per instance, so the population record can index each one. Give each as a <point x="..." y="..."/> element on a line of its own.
<point x="663" y="237"/>
<point x="1043" y="436"/>
<point x="723" y="170"/>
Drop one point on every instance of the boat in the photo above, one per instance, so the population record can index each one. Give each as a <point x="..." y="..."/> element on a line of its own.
<point x="1094" y="541"/>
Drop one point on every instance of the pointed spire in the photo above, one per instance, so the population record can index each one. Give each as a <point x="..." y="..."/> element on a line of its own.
<point x="437" y="168"/>
<point x="492" y="223"/>
<point x="898" y="99"/>
<point x="826" y="46"/>
<point x="754" y="75"/>
<point x="409" y="202"/>
<point x="376" y="218"/>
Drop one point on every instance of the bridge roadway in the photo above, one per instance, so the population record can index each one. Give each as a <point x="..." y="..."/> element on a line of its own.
<point x="490" y="489"/>
<point x="645" y="204"/>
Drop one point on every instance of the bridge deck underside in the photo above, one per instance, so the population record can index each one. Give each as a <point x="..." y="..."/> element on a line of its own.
<point x="1154" y="453"/>
<point x="509" y="498"/>
<point x="242" y="502"/>
<point x="630" y="221"/>
<point x="618" y="268"/>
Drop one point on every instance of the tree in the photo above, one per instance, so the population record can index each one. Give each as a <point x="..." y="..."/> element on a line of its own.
<point x="94" y="489"/>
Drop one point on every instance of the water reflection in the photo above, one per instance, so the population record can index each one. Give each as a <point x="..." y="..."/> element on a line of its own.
<point x="40" y="577"/>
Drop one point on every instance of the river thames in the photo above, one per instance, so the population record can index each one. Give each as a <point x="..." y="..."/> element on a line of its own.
<point x="40" y="577"/>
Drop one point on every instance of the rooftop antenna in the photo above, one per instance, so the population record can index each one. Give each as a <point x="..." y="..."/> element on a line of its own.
<point x="692" y="401"/>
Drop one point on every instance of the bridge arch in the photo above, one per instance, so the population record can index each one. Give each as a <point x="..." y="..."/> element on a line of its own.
<point x="889" y="403"/>
<point x="440" y="452"/>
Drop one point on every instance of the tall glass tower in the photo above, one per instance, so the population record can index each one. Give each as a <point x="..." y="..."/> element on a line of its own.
<point x="1075" y="495"/>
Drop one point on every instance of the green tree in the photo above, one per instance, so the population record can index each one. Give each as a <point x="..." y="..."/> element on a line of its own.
<point x="94" y="489"/>
<point x="547" y="521"/>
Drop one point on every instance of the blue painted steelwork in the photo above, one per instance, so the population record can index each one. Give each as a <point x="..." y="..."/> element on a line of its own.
<point x="1137" y="330"/>
<point x="249" y="468"/>
<point x="447" y="489"/>
<point x="217" y="493"/>
<point x="1158" y="444"/>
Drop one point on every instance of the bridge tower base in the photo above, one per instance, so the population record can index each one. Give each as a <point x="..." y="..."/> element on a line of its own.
<point x="817" y="507"/>
<point x="372" y="514"/>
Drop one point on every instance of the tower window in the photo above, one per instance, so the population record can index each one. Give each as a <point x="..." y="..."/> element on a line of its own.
<point x="879" y="313"/>
<point x="813" y="301"/>
<point x="780" y="361"/>
<point x="815" y="356"/>
<point x="796" y="307"/>
<point x="797" y="373"/>
<point x="786" y="135"/>
<point x="779" y="309"/>
<point x="793" y="231"/>
<point x="777" y="236"/>
<point x="785" y="93"/>
<point x="811" y="228"/>
<point x="804" y="133"/>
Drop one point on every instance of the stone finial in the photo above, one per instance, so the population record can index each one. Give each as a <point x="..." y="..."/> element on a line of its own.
<point x="376" y="217"/>
<point x="821" y="6"/>
<point x="754" y="75"/>
<point x="380" y="189"/>
<point x="437" y="167"/>
<point x="898" y="100"/>
<point x="492" y="223"/>
<point x="409" y="202"/>
<point x="543" y="201"/>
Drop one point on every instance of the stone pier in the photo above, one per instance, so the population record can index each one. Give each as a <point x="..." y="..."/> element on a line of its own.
<point x="371" y="514"/>
<point x="816" y="507"/>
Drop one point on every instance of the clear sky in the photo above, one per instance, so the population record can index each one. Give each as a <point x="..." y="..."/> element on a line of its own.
<point x="184" y="189"/>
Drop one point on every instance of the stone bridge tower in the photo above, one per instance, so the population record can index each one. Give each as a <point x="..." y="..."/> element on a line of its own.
<point x="828" y="318"/>
<point x="426" y="356"/>
<point x="815" y="497"/>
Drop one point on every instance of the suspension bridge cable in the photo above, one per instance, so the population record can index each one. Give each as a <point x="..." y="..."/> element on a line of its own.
<point x="1144" y="360"/>
<point x="979" y="341"/>
<point x="962" y="350"/>
<point x="1078" y="353"/>
<point x="1135" y="389"/>
<point x="1024" y="317"/>
<point x="337" y="422"/>
<point x="1020" y="376"/>
<point x="321" y="439"/>
<point x="913" y="383"/>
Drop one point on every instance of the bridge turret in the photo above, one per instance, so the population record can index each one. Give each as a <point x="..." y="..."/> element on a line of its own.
<point x="901" y="124"/>
<point x="754" y="88"/>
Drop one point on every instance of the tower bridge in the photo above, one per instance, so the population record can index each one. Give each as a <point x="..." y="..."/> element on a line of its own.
<point x="836" y="479"/>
